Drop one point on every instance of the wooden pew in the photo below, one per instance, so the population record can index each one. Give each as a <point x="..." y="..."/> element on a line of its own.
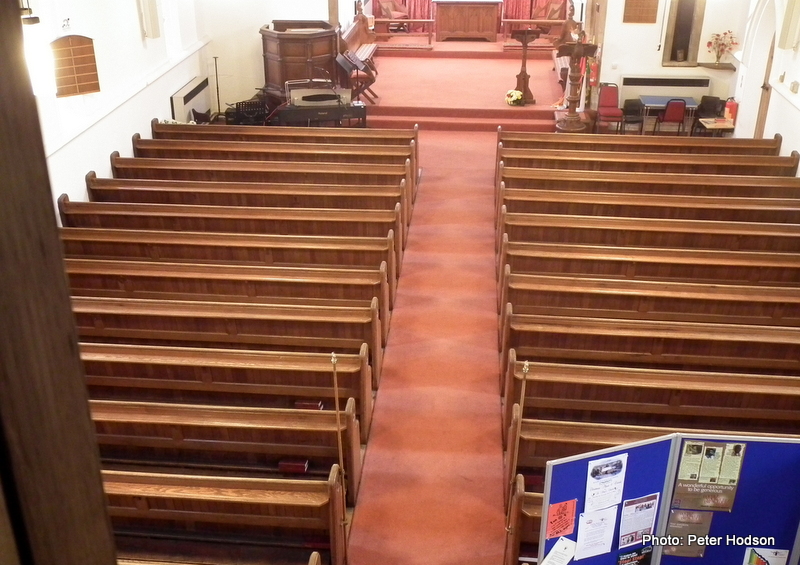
<point x="300" y="286"/>
<point x="524" y="522"/>
<point x="649" y="144"/>
<point x="698" y="265"/>
<point x="234" y="249"/>
<point x="277" y="151"/>
<point x="230" y="219"/>
<point x="258" y="195"/>
<point x="314" y="559"/>
<point x="651" y="232"/>
<point x="267" y="171"/>
<point x="654" y="343"/>
<point x="638" y="299"/>
<point x="227" y="440"/>
<point x="538" y="441"/>
<point x="228" y="377"/>
<point x="652" y="396"/>
<point x="709" y="164"/>
<point x="652" y="183"/>
<point x="234" y="510"/>
<point x="372" y="136"/>
<point x="736" y="209"/>
<point x="231" y="325"/>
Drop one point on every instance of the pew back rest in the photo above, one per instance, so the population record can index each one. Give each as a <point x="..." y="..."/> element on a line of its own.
<point x="265" y="510"/>
<point x="227" y="377"/>
<point x="227" y="439"/>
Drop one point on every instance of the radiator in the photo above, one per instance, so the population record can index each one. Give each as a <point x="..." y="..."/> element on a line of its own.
<point x="695" y="87"/>
<point x="194" y="95"/>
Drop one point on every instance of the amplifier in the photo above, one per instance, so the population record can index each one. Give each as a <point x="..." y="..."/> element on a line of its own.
<point x="319" y="96"/>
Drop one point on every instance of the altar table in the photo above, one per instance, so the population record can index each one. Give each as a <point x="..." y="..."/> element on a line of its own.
<point x="467" y="19"/>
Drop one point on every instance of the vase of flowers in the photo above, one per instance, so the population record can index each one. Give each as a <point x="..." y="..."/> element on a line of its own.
<point x="514" y="98"/>
<point x="720" y="44"/>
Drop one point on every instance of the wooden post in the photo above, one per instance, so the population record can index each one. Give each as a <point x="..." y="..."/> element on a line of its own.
<point x="333" y="12"/>
<point x="49" y="463"/>
<point x="577" y="51"/>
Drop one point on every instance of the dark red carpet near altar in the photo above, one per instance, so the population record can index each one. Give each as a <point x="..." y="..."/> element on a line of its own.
<point x="432" y="486"/>
<point x="461" y="92"/>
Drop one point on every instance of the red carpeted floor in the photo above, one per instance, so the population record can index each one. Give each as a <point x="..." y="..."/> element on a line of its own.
<point x="464" y="93"/>
<point x="431" y="491"/>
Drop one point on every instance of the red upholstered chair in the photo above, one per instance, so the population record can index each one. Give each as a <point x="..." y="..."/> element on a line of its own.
<point x="608" y="109"/>
<point x="673" y="113"/>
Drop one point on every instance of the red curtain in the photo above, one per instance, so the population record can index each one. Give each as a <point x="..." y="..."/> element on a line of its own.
<point x="419" y="9"/>
<point x="534" y="9"/>
<point x="518" y="9"/>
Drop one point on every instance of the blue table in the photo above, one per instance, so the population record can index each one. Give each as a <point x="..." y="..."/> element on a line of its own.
<point x="653" y="104"/>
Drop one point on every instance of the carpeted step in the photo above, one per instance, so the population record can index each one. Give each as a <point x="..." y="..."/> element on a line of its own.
<point x="532" y="112"/>
<point x="461" y="124"/>
<point x="425" y="51"/>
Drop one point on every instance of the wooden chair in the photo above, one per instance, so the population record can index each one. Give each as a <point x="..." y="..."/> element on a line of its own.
<point x="673" y="113"/>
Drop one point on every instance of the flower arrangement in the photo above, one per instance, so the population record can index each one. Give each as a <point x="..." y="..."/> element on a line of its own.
<point x="514" y="98"/>
<point x="721" y="43"/>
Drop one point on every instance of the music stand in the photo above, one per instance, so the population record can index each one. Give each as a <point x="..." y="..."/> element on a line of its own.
<point x="525" y="36"/>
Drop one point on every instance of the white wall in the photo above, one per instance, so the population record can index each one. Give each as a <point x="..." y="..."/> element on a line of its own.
<point x="637" y="49"/>
<point x="234" y="38"/>
<point x="137" y="76"/>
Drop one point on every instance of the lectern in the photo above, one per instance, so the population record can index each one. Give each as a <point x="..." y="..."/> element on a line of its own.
<point x="576" y="51"/>
<point x="525" y="36"/>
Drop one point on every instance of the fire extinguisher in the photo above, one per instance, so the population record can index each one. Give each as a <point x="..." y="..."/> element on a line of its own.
<point x="594" y="73"/>
<point x="731" y="109"/>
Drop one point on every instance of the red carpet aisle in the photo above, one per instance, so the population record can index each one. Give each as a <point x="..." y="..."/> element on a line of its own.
<point x="431" y="491"/>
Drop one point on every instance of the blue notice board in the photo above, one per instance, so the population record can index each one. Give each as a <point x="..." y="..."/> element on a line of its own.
<point x="766" y="504"/>
<point x="648" y="471"/>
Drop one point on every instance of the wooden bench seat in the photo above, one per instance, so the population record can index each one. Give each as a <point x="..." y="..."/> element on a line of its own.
<point x="301" y="286"/>
<point x="228" y="509"/>
<point x="359" y="39"/>
<point x="228" y="377"/>
<point x="710" y="164"/>
<point x="231" y="325"/>
<point x="267" y="171"/>
<point x="653" y="263"/>
<point x="596" y="297"/>
<point x="278" y="151"/>
<point x="314" y="559"/>
<point x="258" y="195"/>
<point x="373" y="136"/>
<point x="230" y="219"/>
<point x="234" y="249"/>
<point x="651" y="183"/>
<point x="649" y="144"/>
<point x="651" y="232"/>
<point x="228" y="440"/>
<point x="655" y="343"/>
<point x="652" y="396"/>
<point x="736" y="209"/>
